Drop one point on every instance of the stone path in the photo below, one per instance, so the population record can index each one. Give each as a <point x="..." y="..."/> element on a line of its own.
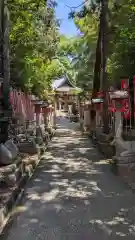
<point x="73" y="196"/>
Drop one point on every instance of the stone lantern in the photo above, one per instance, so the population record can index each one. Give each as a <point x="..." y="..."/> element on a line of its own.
<point x="124" y="149"/>
<point x="98" y="103"/>
<point x="45" y="111"/>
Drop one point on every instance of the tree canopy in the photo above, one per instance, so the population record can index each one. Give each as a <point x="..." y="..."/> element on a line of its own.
<point x="40" y="54"/>
<point x="121" y="36"/>
<point x="34" y="38"/>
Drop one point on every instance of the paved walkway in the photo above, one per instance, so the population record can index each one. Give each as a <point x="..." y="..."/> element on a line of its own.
<point x="73" y="196"/>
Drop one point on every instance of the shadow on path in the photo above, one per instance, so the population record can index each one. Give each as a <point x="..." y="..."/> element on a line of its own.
<point x="73" y="195"/>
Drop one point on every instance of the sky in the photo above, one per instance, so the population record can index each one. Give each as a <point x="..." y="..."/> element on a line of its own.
<point x="67" y="26"/>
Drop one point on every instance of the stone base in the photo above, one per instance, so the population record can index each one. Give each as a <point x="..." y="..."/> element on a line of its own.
<point x="106" y="149"/>
<point x="127" y="153"/>
<point x="103" y="137"/>
<point x="103" y="142"/>
<point x="28" y="147"/>
<point x="47" y="137"/>
<point x="9" y="194"/>
<point x="124" y="159"/>
<point x="123" y="171"/>
<point x="127" y="173"/>
<point x="74" y="118"/>
<point x="50" y="130"/>
<point x="10" y="175"/>
<point x="39" y="140"/>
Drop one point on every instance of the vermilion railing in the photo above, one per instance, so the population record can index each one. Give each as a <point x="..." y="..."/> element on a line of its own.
<point x="22" y="105"/>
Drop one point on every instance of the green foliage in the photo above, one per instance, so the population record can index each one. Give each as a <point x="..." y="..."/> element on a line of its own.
<point x="121" y="37"/>
<point x="39" y="54"/>
<point x="34" y="38"/>
<point x="85" y="48"/>
<point x="121" y="59"/>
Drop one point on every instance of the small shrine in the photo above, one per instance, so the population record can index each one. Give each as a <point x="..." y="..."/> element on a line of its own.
<point x="65" y="93"/>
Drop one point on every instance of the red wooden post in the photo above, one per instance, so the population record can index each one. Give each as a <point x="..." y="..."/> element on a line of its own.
<point x="37" y="111"/>
<point x="45" y="115"/>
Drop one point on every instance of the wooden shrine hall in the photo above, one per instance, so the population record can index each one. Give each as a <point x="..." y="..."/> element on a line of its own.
<point x="65" y="93"/>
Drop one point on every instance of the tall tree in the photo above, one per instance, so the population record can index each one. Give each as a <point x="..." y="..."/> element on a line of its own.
<point x="104" y="57"/>
<point x="85" y="49"/>
<point x="4" y="70"/>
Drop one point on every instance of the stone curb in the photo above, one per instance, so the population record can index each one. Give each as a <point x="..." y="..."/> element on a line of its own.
<point x="103" y="147"/>
<point x="17" y="192"/>
<point x="6" y="210"/>
<point x="125" y="171"/>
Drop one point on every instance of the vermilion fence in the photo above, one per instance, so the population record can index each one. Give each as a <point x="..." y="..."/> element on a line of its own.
<point x="125" y="105"/>
<point x="22" y="105"/>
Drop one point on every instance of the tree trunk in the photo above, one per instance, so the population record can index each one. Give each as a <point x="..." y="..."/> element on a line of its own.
<point x="1" y="39"/>
<point x="97" y="71"/>
<point x="104" y="46"/>
<point x="5" y="71"/>
<point x="6" y="47"/>
<point x="97" y="67"/>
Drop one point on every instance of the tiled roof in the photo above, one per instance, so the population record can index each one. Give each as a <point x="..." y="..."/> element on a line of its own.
<point x="58" y="83"/>
<point x="66" y="88"/>
<point x="63" y="85"/>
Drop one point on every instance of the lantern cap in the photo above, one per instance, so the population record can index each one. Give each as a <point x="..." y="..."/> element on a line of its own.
<point x="119" y="94"/>
<point x="45" y="104"/>
<point x="97" y="100"/>
<point x="37" y="102"/>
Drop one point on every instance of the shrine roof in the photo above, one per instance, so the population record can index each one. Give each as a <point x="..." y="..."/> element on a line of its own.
<point x="62" y="82"/>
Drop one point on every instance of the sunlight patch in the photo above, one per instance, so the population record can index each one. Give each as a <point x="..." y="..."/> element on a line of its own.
<point x="73" y="192"/>
<point x="34" y="196"/>
<point x="101" y="225"/>
<point x="132" y="230"/>
<point x="50" y="196"/>
<point x="19" y="209"/>
<point x="121" y="234"/>
<point x="102" y="162"/>
<point x="34" y="220"/>
<point x="84" y="150"/>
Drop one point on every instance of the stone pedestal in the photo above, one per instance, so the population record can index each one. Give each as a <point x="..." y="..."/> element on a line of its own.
<point x="87" y="122"/>
<point x="98" y="118"/>
<point x="9" y="175"/>
<point x="125" y="151"/>
<point x="104" y="141"/>
<point x="28" y="147"/>
<point x="8" y="153"/>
